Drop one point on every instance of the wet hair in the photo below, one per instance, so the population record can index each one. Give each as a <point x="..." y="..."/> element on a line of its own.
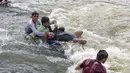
<point x="45" y="20"/>
<point x="101" y="55"/>
<point x="35" y="13"/>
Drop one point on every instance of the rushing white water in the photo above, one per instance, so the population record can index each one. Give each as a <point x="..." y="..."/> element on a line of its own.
<point x="106" y="25"/>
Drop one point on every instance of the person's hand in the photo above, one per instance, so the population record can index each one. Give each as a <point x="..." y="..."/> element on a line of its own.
<point x="50" y="35"/>
<point x="55" y="22"/>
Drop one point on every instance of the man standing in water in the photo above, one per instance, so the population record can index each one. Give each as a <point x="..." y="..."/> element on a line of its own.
<point x="94" y="65"/>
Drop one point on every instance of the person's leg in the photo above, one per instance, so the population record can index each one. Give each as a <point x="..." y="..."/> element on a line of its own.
<point x="80" y="41"/>
<point x="65" y="37"/>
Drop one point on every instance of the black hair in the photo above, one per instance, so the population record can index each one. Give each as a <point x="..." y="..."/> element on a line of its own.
<point x="101" y="55"/>
<point x="35" y="13"/>
<point x="45" y="20"/>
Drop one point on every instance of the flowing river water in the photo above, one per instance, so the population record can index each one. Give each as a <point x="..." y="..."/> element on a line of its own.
<point x="105" y="23"/>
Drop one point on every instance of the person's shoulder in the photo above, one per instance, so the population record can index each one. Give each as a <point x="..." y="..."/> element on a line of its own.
<point x="87" y="61"/>
<point x="97" y="63"/>
<point x="29" y="21"/>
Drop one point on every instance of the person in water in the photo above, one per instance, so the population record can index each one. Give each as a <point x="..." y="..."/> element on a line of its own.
<point x="94" y="65"/>
<point x="61" y="35"/>
<point x="31" y="28"/>
<point x="45" y="27"/>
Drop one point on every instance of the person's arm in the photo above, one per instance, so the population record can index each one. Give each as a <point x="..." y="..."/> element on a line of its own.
<point x="35" y="31"/>
<point x="50" y="29"/>
<point x="55" y="30"/>
<point x="53" y="22"/>
<point x="55" y="25"/>
<point x="80" y="66"/>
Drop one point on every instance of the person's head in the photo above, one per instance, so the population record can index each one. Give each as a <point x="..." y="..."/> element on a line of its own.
<point x="78" y="33"/>
<point x="45" y="21"/>
<point x="35" y="16"/>
<point x="102" y="56"/>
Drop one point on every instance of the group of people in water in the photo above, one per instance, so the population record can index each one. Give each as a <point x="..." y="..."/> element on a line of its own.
<point x="42" y="30"/>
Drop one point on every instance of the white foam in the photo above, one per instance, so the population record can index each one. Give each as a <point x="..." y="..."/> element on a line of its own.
<point x="55" y="59"/>
<point x="3" y="30"/>
<point x="117" y="52"/>
<point x="24" y="6"/>
<point x="97" y="17"/>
